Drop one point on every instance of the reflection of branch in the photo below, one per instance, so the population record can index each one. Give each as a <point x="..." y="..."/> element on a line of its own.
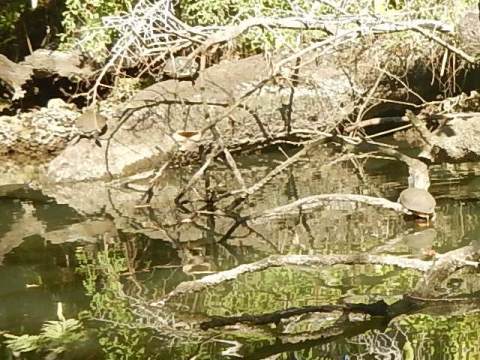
<point x="445" y="266"/>
<point x="316" y="201"/>
<point x="375" y="309"/>
<point x="292" y="260"/>
<point x="197" y="176"/>
<point x="242" y="193"/>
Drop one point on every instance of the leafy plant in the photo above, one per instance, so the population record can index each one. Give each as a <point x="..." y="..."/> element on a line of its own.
<point x="83" y="28"/>
<point x="9" y="14"/>
<point x="118" y="334"/>
<point x="55" y="336"/>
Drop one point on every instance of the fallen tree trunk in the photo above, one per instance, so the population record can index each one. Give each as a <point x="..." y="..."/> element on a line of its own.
<point x="41" y="64"/>
<point x="291" y="260"/>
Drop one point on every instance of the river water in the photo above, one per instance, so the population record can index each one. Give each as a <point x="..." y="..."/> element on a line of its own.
<point x="62" y="259"/>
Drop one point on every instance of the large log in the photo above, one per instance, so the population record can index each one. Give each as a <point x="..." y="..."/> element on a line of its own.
<point x="248" y="109"/>
<point x="41" y="64"/>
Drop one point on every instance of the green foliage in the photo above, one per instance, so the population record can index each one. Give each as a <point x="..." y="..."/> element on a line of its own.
<point x="445" y="337"/>
<point x="9" y="14"/>
<point x="82" y="23"/>
<point x="118" y="334"/>
<point x="260" y="292"/>
<point x="55" y="336"/>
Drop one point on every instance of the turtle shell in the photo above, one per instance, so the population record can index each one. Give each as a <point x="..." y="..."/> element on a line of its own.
<point x="419" y="201"/>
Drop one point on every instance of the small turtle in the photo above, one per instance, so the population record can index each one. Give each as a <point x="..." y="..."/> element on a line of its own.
<point x="419" y="201"/>
<point x="91" y="125"/>
<point x="180" y="67"/>
<point x="187" y="140"/>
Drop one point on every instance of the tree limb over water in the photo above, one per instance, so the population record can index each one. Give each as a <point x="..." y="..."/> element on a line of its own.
<point x="425" y="293"/>
<point x="316" y="201"/>
<point x="293" y="260"/>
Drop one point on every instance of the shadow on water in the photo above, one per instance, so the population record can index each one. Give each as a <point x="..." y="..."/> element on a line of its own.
<point x="41" y="235"/>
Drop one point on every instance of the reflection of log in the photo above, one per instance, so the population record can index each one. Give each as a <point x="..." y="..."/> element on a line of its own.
<point x="25" y="226"/>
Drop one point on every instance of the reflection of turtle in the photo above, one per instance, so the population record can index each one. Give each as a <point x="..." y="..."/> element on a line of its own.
<point x="180" y="67"/>
<point x="91" y="125"/>
<point x="419" y="201"/>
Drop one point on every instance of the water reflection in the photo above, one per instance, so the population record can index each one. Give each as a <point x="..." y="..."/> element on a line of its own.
<point x="40" y="232"/>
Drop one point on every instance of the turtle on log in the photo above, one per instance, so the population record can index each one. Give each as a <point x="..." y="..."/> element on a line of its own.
<point x="418" y="201"/>
<point x="91" y="125"/>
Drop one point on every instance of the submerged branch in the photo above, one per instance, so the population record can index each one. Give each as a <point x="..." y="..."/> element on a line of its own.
<point x="292" y="260"/>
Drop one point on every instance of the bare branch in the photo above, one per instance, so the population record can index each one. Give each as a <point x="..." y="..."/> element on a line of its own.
<point x="316" y="201"/>
<point x="291" y="260"/>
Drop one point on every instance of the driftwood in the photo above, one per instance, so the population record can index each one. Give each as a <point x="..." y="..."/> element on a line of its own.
<point x="291" y="260"/>
<point x="41" y="64"/>
<point x="14" y="76"/>
<point x="422" y="297"/>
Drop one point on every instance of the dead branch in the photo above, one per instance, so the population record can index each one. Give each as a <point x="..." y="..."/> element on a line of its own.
<point x="443" y="268"/>
<point x="316" y="201"/>
<point x="459" y="52"/>
<point x="146" y="42"/>
<point x="376" y="121"/>
<point x="420" y="127"/>
<point x="291" y="260"/>
<point x="376" y="309"/>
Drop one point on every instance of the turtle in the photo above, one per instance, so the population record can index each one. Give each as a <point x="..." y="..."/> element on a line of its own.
<point x="91" y="125"/>
<point x="187" y="140"/>
<point x="180" y="67"/>
<point x="418" y="201"/>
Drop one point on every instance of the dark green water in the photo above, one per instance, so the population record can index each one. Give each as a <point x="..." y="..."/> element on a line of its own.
<point x="41" y="237"/>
